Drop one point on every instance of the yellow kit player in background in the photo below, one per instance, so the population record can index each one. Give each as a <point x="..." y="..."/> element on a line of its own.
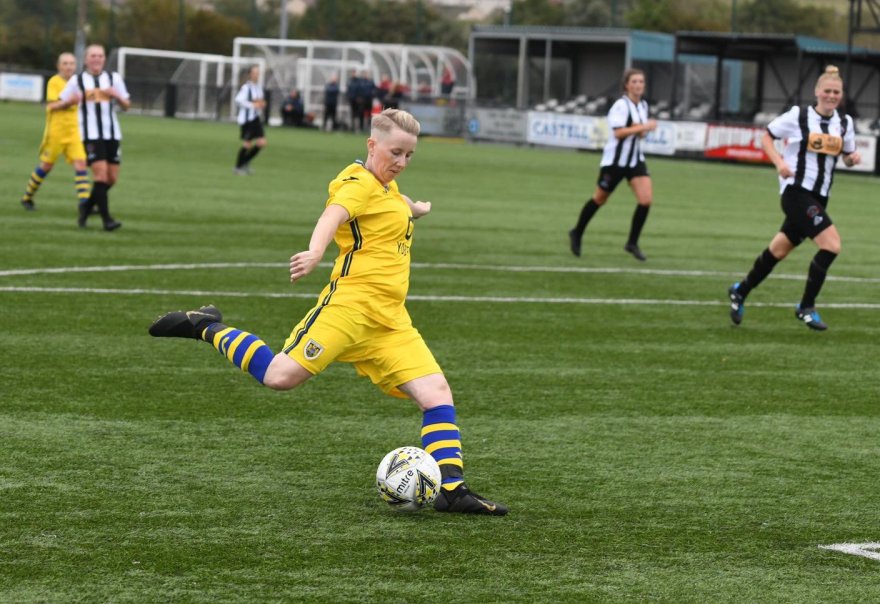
<point x="360" y="317"/>
<point x="61" y="136"/>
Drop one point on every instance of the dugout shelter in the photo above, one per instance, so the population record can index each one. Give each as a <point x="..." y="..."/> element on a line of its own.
<point x="777" y="71"/>
<point x="578" y="69"/>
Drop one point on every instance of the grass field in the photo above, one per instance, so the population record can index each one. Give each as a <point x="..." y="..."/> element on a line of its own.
<point x="647" y="449"/>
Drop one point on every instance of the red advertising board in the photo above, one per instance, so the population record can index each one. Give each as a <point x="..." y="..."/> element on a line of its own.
<point x="738" y="143"/>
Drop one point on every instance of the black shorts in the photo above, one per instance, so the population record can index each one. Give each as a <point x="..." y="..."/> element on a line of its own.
<point x="610" y="176"/>
<point x="252" y="129"/>
<point x="101" y="150"/>
<point x="805" y="214"/>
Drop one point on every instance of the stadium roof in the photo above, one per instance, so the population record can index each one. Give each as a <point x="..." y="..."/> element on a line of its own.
<point x="757" y="46"/>
<point x="764" y="49"/>
<point x="644" y="45"/>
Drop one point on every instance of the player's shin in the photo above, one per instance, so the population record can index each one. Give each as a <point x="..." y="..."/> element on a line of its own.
<point x="244" y="350"/>
<point x="81" y="184"/>
<point x="441" y="438"/>
<point x="816" y="277"/>
<point x="36" y="179"/>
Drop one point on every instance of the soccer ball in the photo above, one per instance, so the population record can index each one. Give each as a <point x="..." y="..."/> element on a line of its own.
<point x="408" y="479"/>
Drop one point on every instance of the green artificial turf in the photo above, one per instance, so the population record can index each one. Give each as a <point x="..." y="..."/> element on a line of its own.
<point x="648" y="451"/>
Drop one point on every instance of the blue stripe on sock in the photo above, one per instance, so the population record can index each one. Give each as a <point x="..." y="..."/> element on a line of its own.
<point x="444" y="414"/>
<point x="432" y="437"/>
<point x="40" y="172"/>
<point x="448" y="453"/>
<point x="260" y="362"/>
<point x="238" y="357"/>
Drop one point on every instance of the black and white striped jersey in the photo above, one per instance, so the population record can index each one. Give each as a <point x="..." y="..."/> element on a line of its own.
<point x="247" y="94"/>
<point x="812" y="144"/>
<point x="97" y="111"/>
<point x="624" y="152"/>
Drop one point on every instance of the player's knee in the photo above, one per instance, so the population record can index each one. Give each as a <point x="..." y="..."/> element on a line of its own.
<point x="278" y="380"/>
<point x="438" y="394"/>
<point x="833" y="247"/>
<point x="284" y="374"/>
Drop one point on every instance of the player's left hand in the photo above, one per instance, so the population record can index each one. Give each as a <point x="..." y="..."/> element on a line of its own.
<point x="420" y="208"/>
<point x="852" y="159"/>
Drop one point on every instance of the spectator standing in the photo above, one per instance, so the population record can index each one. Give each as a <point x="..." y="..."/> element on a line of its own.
<point x="331" y="102"/>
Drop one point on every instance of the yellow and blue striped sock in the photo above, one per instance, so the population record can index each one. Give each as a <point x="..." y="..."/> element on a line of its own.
<point x="81" y="184"/>
<point x="245" y="350"/>
<point x="441" y="438"/>
<point x="34" y="183"/>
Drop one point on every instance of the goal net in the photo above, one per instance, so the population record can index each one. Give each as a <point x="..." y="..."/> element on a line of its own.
<point x="192" y="85"/>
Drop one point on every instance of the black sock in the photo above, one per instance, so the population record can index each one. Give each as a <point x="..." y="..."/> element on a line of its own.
<point x="98" y="198"/>
<point x="816" y="276"/>
<point x="638" y="221"/>
<point x="252" y="153"/>
<point x="242" y="157"/>
<point x="763" y="266"/>
<point x="590" y="208"/>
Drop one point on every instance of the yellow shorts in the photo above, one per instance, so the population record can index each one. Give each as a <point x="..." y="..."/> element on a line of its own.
<point x="71" y="148"/>
<point x="389" y="357"/>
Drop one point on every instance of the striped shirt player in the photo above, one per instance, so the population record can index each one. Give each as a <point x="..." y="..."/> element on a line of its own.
<point x="814" y="137"/>
<point x="60" y="137"/>
<point x="360" y="317"/>
<point x="629" y="123"/>
<point x="251" y="102"/>
<point x="625" y="152"/>
<point x="98" y="94"/>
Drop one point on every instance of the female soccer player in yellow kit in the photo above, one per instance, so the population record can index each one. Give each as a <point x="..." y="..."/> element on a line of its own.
<point x="360" y="317"/>
<point x="61" y="136"/>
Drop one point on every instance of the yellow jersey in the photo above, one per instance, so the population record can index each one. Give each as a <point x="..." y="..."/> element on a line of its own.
<point x="371" y="273"/>
<point x="62" y="124"/>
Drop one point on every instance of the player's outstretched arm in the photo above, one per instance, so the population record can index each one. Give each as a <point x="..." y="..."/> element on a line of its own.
<point x="303" y="263"/>
<point x="418" y="208"/>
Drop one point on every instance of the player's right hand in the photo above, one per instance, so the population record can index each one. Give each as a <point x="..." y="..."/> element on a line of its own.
<point x="784" y="171"/>
<point x="302" y="264"/>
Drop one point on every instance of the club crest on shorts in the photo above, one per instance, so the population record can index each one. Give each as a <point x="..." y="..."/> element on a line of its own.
<point x="312" y="350"/>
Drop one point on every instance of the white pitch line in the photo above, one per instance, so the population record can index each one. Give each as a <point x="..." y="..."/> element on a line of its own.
<point x="419" y="265"/>
<point x="866" y="550"/>
<point x="418" y="298"/>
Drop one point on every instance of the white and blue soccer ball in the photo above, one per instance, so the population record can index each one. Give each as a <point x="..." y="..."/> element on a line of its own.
<point x="408" y="479"/>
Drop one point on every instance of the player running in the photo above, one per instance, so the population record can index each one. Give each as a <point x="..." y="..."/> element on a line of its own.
<point x="360" y="317"/>
<point x="814" y="137"/>
<point x="623" y="158"/>
<point x="251" y="101"/>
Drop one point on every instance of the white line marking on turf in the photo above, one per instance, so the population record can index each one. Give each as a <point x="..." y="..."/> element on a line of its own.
<point x="417" y="265"/>
<point x="419" y="298"/>
<point x="866" y="550"/>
